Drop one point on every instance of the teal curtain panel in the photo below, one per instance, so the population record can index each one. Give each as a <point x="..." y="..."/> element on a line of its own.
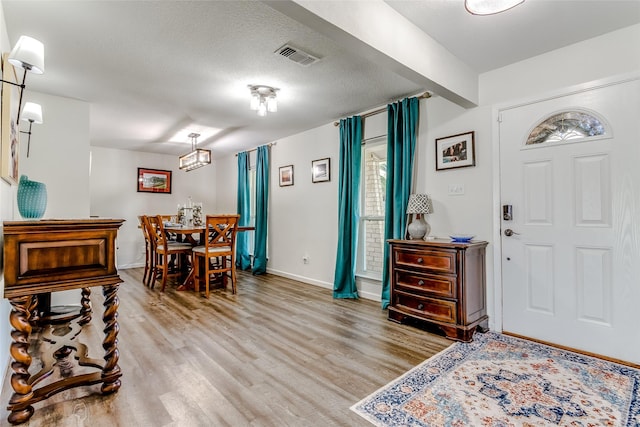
<point x="402" y="119"/>
<point x="262" y="205"/>
<point x="243" y="258"/>
<point x="344" y="283"/>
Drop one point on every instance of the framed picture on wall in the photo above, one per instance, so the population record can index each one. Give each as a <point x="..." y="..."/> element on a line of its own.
<point x="10" y="131"/>
<point x="286" y="176"/>
<point x="456" y="151"/>
<point x="321" y="170"/>
<point x="154" y="181"/>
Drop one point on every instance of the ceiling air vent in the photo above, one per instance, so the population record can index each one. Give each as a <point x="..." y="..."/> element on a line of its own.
<point x="296" y="55"/>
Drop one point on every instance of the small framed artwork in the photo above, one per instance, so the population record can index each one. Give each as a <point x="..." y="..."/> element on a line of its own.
<point x="286" y="176"/>
<point x="321" y="170"/>
<point x="10" y="133"/>
<point x="456" y="151"/>
<point x="154" y="181"/>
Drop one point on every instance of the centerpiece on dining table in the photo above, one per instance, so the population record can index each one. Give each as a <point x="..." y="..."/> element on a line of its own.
<point x="190" y="214"/>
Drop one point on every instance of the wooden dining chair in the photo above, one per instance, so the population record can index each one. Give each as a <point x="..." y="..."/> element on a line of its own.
<point x="217" y="256"/>
<point x="166" y="253"/>
<point x="148" y="257"/>
<point x="169" y="218"/>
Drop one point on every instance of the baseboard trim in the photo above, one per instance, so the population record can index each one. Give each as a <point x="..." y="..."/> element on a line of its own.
<point x="369" y="295"/>
<point x="319" y="283"/>
<point x="303" y="279"/>
<point x="127" y="266"/>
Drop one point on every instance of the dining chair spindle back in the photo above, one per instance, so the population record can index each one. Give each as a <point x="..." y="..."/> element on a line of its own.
<point x="148" y="257"/>
<point x="218" y="252"/>
<point x="166" y="253"/>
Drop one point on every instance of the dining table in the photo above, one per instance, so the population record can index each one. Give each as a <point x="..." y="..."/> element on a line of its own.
<point x="185" y="233"/>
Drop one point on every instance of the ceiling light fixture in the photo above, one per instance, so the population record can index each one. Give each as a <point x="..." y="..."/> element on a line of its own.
<point x="31" y="113"/>
<point x="263" y="99"/>
<point x="197" y="158"/>
<point x="28" y="53"/>
<point x="489" y="7"/>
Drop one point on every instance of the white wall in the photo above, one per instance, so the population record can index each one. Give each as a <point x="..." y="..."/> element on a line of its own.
<point x="114" y="194"/>
<point x="302" y="217"/>
<point x="594" y="59"/>
<point x="59" y="155"/>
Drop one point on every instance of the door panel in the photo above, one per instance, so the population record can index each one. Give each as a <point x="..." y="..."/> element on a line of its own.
<point x="538" y="205"/>
<point x="539" y="278"/>
<point x="594" y="285"/>
<point x="571" y="269"/>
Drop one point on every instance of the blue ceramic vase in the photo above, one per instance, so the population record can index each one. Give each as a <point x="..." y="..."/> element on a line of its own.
<point x="32" y="198"/>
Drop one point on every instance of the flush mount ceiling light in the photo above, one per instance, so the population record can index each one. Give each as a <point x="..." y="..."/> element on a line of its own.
<point x="263" y="99"/>
<point x="489" y="7"/>
<point x="197" y="158"/>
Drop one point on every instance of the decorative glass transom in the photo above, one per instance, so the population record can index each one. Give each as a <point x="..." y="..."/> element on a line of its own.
<point x="566" y="126"/>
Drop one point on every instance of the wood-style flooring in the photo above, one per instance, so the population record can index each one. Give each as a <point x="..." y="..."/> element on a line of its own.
<point x="279" y="353"/>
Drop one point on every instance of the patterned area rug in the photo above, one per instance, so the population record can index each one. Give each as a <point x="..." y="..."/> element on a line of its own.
<point x="501" y="381"/>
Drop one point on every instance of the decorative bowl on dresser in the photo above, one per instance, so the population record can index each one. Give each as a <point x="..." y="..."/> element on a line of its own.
<point x="439" y="282"/>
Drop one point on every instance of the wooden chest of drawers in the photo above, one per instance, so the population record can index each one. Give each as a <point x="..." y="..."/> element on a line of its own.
<point x="439" y="282"/>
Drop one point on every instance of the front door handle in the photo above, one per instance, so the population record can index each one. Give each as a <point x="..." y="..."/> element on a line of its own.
<point x="509" y="232"/>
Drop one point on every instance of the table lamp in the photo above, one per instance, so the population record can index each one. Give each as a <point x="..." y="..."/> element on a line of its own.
<point x="419" y="205"/>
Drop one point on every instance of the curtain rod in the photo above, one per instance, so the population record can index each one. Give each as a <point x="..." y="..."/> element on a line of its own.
<point x="256" y="149"/>
<point x="425" y="95"/>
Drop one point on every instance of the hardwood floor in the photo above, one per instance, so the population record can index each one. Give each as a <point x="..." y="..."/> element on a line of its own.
<point x="279" y="353"/>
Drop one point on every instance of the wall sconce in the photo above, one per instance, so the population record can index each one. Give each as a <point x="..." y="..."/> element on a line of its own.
<point x="28" y="53"/>
<point x="263" y="99"/>
<point x="31" y="113"/>
<point x="197" y="158"/>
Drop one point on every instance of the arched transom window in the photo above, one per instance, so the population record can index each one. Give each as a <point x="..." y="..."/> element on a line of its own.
<point x="566" y="126"/>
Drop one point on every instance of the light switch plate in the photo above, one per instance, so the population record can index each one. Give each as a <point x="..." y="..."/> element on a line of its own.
<point x="456" y="189"/>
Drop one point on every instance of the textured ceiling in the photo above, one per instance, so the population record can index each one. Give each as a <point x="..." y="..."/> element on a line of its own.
<point x="150" y="68"/>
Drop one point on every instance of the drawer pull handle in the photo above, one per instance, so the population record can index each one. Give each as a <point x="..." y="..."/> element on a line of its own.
<point x="419" y="260"/>
<point x="420" y="306"/>
<point x="420" y="282"/>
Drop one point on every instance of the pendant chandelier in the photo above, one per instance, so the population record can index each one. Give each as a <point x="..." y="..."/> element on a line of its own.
<point x="197" y="158"/>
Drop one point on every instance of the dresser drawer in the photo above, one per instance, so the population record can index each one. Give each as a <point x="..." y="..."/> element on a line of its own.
<point x="439" y="286"/>
<point x="439" y="261"/>
<point x="424" y="307"/>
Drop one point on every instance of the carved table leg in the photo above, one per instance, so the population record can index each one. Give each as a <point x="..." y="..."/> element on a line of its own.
<point x="111" y="371"/>
<point x="22" y="307"/>
<point x="85" y="311"/>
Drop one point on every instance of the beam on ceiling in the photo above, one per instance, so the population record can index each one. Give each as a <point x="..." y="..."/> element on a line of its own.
<point x="376" y="31"/>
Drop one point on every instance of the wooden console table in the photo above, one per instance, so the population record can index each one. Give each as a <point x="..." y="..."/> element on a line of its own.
<point x="58" y="255"/>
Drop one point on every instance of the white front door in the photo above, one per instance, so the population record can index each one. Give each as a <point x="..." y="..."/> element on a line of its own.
<point x="571" y="274"/>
